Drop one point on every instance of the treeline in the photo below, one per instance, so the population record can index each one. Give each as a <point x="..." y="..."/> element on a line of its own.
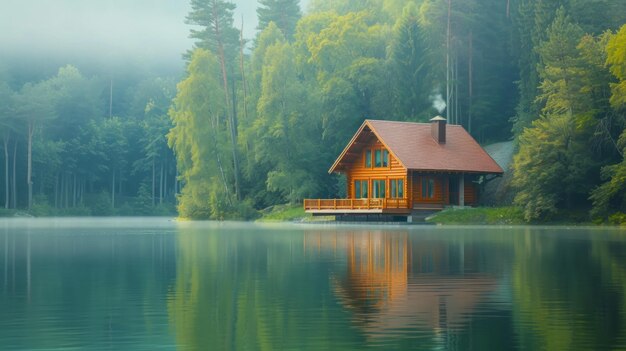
<point x="570" y="122"/>
<point x="254" y="130"/>
<point x="71" y="148"/>
<point x="254" y="124"/>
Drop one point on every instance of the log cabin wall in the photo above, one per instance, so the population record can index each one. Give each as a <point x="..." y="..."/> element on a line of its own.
<point x="441" y="190"/>
<point x="358" y="171"/>
<point x="435" y="196"/>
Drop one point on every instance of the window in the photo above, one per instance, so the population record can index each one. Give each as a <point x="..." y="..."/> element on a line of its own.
<point x="381" y="158"/>
<point x="360" y="189"/>
<point x="428" y="188"/>
<point x="378" y="189"/>
<point x="396" y="188"/>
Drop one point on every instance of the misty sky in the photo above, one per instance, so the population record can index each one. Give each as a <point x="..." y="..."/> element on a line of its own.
<point x="150" y="30"/>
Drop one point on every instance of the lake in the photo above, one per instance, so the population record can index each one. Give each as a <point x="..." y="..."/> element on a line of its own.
<point x="157" y="284"/>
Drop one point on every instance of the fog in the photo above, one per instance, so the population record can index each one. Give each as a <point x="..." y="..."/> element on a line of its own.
<point x="107" y="32"/>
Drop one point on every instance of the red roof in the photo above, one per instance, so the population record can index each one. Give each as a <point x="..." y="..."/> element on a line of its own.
<point x="415" y="148"/>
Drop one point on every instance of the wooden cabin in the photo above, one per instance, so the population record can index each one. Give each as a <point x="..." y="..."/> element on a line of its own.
<point x="398" y="168"/>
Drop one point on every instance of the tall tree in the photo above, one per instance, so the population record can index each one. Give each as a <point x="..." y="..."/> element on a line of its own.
<point x="7" y="128"/>
<point x="608" y="198"/>
<point x="347" y="54"/>
<point x="531" y="22"/>
<point x="281" y="123"/>
<point x="35" y="105"/>
<point x="408" y="65"/>
<point x="219" y="35"/>
<point x="552" y="167"/>
<point x="197" y="140"/>
<point x="285" y="13"/>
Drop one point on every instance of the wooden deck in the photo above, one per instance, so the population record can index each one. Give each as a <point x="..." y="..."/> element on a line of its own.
<point x="356" y="206"/>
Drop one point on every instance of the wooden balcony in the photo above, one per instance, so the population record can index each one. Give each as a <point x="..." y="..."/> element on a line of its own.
<point x="356" y="206"/>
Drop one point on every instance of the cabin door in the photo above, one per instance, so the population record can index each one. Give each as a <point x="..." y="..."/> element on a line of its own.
<point x="453" y="192"/>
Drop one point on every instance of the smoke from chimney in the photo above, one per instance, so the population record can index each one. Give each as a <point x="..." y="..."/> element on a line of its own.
<point x="438" y="103"/>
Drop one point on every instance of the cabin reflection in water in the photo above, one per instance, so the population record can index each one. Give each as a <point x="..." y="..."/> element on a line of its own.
<point x="391" y="284"/>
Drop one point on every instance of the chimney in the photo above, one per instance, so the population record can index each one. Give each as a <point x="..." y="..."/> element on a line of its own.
<point x="438" y="129"/>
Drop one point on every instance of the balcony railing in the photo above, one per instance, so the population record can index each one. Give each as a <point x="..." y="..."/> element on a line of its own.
<point x="355" y="204"/>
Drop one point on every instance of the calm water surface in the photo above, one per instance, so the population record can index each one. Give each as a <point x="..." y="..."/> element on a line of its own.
<point x="149" y="284"/>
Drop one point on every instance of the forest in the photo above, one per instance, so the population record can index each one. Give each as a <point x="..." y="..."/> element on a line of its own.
<point x="253" y="123"/>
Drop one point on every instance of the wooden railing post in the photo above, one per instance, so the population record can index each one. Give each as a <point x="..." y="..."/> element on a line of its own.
<point x="319" y="204"/>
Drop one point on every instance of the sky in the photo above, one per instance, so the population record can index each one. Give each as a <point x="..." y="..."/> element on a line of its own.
<point x="101" y="30"/>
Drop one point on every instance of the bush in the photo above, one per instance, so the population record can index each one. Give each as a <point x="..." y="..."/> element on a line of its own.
<point x="618" y="218"/>
<point x="41" y="207"/>
<point x="100" y="204"/>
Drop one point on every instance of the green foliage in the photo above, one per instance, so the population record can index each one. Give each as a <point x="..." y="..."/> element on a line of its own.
<point x="561" y="69"/>
<point x="616" y="60"/>
<point x="617" y="218"/>
<point x="100" y="204"/>
<point x="610" y="196"/>
<point x="199" y="140"/>
<point x="550" y="168"/>
<point x="143" y="203"/>
<point x="409" y="68"/>
<point x="215" y="21"/>
<point x="297" y="98"/>
<point x="284" y="13"/>
<point x="558" y="158"/>
<point x="193" y="126"/>
<point x="41" y="207"/>
<point x="59" y="123"/>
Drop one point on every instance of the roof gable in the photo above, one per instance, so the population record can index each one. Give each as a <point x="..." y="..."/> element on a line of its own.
<point x="414" y="147"/>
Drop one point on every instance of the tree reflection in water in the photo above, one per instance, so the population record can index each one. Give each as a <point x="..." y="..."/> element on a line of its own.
<point x="335" y="288"/>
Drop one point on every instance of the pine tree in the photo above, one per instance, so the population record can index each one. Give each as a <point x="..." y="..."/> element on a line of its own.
<point x="215" y="21"/>
<point x="408" y="65"/>
<point x="552" y="168"/>
<point x="285" y="13"/>
<point x="219" y="36"/>
<point x="608" y="198"/>
<point x="533" y="19"/>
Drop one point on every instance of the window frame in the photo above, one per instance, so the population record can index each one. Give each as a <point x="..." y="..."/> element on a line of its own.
<point x="428" y="188"/>
<point x="368" y="158"/>
<point x="396" y="188"/>
<point x="378" y="158"/>
<point x="371" y="155"/>
<point x="376" y="194"/>
<point x="363" y="188"/>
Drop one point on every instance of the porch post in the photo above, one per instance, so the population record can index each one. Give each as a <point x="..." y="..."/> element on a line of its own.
<point x="462" y="190"/>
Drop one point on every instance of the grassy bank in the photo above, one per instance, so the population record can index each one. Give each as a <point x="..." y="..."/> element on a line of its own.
<point x="479" y="215"/>
<point x="289" y="213"/>
<point x="284" y="213"/>
<point x="514" y="215"/>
